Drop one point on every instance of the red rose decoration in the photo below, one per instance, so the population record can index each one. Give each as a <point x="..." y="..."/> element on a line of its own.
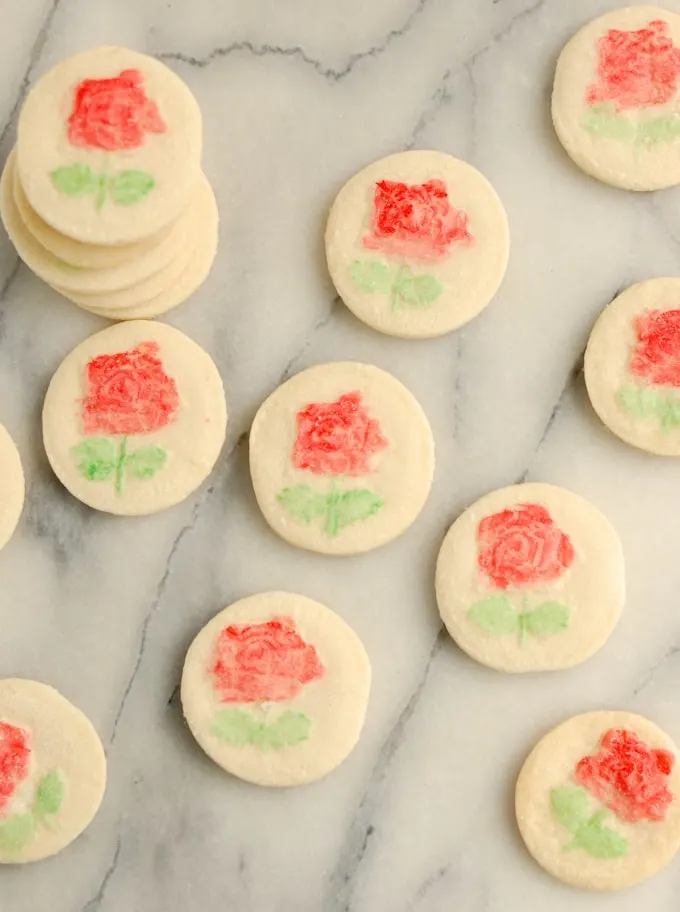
<point x="628" y="777"/>
<point x="337" y="438"/>
<point x="415" y="221"/>
<point x="656" y="356"/>
<point x="636" y="69"/>
<point x="129" y="393"/>
<point x="113" y="114"/>
<point x="523" y="547"/>
<point x="264" y="662"/>
<point x="15" y="757"/>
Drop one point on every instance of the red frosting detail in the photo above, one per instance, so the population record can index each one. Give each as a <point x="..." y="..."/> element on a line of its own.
<point x="15" y="756"/>
<point x="113" y="114"/>
<point x="129" y="393"/>
<point x="656" y="356"/>
<point x="337" y="438"/>
<point x="628" y="777"/>
<point x="264" y="662"/>
<point x="415" y="221"/>
<point x="523" y="547"/>
<point x="636" y="69"/>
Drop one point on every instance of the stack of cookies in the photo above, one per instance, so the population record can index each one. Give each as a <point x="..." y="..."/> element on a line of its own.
<point x="103" y="195"/>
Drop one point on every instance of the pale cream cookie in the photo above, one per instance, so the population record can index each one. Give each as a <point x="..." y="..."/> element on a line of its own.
<point x="275" y="689"/>
<point x="597" y="801"/>
<point x="417" y="244"/>
<point x="615" y="101"/>
<point x="12" y="487"/>
<point x="134" y="418"/>
<point x="530" y="578"/>
<point x="341" y="458"/>
<point x="109" y="146"/>
<point x="52" y="771"/>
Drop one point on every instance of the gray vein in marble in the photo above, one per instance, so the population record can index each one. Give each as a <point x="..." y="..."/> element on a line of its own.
<point x="93" y="904"/>
<point x="4" y="289"/>
<point x="320" y="324"/>
<point x="439" y="98"/>
<point x="650" y="674"/>
<point x="429" y="882"/>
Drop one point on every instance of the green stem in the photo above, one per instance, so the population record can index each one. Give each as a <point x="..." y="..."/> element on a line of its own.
<point x="332" y="517"/>
<point x="120" y="466"/>
<point x="101" y="190"/>
<point x="396" y="286"/>
<point x="522" y="621"/>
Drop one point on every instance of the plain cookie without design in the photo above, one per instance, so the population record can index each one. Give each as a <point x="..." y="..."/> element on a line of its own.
<point x="12" y="487"/>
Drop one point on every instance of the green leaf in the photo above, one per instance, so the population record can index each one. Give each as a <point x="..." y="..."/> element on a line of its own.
<point x="355" y="506"/>
<point x="548" y="619"/>
<point x="16" y="832"/>
<point x="570" y="806"/>
<point x="599" y="841"/>
<point x="602" y="121"/>
<point x="372" y="276"/>
<point x="495" y="615"/>
<point x="75" y="180"/>
<point x="145" y="463"/>
<point x="130" y="187"/>
<point x="289" y="729"/>
<point x="668" y="410"/>
<point x="303" y="502"/>
<point x="235" y="726"/>
<point x="50" y="794"/>
<point x="659" y="130"/>
<point x="418" y="290"/>
<point x="96" y="458"/>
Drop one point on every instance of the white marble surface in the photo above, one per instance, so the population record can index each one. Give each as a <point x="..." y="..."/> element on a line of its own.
<point x="298" y="95"/>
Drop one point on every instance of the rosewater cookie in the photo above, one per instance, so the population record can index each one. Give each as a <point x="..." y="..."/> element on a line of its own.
<point x="134" y="418"/>
<point x="341" y="458"/>
<point x="52" y="771"/>
<point x="530" y="578"/>
<point x="597" y="801"/>
<point x="417" y="244"/>
<point x="632" y="366"/>
<point x="12" y="488"/>
<point x="615" y="100"/>
<point x="275" y="689"/>
<point x="109" y="146"/>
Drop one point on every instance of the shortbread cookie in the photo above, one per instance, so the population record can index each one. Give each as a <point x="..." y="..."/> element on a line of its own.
<point x="109" y="146"/>
<point x="342" y="458"/>
<point x="134" y="418"/>
<point x="417" y="244"/>
<point x="275" y="689"/>
<point x="52" y="771"/>
<point x="530" y="578"/>
<point x="632" y="366"/>
<point x="615" y="100"/>
<point x="597" y="801"/>
<point x="11" y="488"/>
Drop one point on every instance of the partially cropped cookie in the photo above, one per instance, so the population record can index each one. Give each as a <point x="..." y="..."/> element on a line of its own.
<point x="134" y="418"/>
<point x="597" y="801"/>
<point x="275" y="689"/>
<point x="417" y="244"/>
<point x="615" y="98"/>
<point x="530" y="578"/>
<point x="342" y="458"/>
<point x="52" y="771"/>
<point x="12" y="487"/>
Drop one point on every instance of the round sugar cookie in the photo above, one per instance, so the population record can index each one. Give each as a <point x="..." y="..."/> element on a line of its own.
<point x="109" y="146"/>
<point x="341" y="458"/>
<point x="417" y="244"/>
<point x="530" y="578"/>
<point x="275" y="689"/>
<point x="12" y="487"/>
<point x="134" y="418"/>
<point x="632" y="366"/>
<point x="597" y="801"/>
<point x="615" y="101"/>
<point x="52" y="771"/>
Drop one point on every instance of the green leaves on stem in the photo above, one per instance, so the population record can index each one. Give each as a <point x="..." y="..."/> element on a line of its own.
<point x="401" y="284"/>
<point x="125" y="188"/>
<point x="647" y="402"/>
<point x="570" y="806"/>
<point x="336" y="509"/>
<point x="99" y="458"/>
<point x="605" y="122"/>
<point x="241" y="729"/>
<point x="496" y="616"/>
<point x="17" y="831"/>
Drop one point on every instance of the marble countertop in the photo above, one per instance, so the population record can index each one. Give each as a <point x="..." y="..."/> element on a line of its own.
<point x="297" y="96"/>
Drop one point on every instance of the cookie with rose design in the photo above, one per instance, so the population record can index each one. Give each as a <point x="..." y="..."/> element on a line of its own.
<point x="417" y="244"/>
<point x="615" y="103"/>
<point x="109" y="146"/>
<point x="134" y="418"/>
<point x="598" y="800"/>
<point x="342" y="458"/>
<point x="275" y="689"/>
<point x="52" y="771"/>
<point x="530" y="578"/>
<point x="632" y="366"/>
